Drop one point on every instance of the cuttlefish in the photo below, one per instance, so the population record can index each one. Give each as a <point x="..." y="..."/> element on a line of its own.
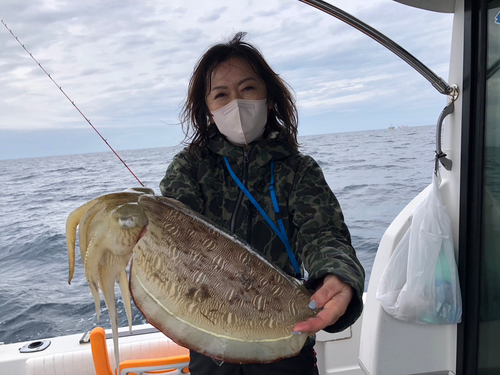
<point x="108" y="229"/>
<point x="201" y="286"/>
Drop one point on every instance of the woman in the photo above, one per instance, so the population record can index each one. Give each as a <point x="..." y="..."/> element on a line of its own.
<point x="241" y="121"/>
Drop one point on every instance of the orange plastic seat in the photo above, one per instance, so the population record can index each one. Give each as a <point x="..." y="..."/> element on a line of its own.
<point x="177" y="364"/>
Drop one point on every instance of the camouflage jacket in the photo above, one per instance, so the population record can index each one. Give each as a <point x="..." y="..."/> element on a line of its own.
<point x="311" y="214"/>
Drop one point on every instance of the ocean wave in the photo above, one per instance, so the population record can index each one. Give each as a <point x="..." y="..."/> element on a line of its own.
<point x="42" y="320"/>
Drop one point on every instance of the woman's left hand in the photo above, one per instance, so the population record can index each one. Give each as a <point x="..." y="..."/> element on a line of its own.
<point x="333" y="297"/>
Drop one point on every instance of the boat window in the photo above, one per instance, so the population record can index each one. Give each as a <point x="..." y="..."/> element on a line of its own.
<point x="489" y="311"/>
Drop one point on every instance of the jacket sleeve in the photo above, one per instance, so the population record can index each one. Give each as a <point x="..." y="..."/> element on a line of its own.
<point x="323" y="240"/>
<point x="181" y="182"/>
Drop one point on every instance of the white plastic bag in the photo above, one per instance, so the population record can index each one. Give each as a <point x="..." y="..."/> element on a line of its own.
<point x="420" y="282"/>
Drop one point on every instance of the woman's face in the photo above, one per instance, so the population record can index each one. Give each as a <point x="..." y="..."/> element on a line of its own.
<point x="234" y="79"/>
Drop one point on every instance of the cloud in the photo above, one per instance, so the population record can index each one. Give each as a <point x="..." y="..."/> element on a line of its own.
<point x="127" y="64"/>
<point x="213" y="15"/>
<point x="325" y="95"/>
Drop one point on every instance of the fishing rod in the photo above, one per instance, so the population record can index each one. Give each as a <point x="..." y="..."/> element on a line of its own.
<point x="74" y="105"/>
<point x="439" y="83"/>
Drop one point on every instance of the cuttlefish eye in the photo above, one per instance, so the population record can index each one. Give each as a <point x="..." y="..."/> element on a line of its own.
<point x="130" y="216"/>
<point x="127" y="221"/>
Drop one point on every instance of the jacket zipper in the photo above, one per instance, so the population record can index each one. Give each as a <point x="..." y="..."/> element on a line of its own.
<point x="240" y="194"/>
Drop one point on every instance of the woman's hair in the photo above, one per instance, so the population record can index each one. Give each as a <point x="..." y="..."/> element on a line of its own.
<point x="195" y="113"/>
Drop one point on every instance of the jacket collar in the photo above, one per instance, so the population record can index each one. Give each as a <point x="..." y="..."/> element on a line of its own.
<point x="272" y="147"/>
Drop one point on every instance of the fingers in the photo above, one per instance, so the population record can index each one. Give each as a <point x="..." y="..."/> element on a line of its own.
<point x="333" y="298"/>
<point x="331" y="286"/>
<point x="313" y="325"/>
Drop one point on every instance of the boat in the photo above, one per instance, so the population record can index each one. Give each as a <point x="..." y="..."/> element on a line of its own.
<point x="378" y="344"/>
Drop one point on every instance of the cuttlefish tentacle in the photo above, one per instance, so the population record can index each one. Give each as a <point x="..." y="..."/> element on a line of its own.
<point x="107" y="278"/>
<point x="125" y="292"/>
<point x="91" y="267"/>
<point x="71" y="225"/>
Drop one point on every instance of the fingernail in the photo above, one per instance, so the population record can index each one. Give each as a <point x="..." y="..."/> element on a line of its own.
<point x="313" y="305"/>
<point x="296" y="333"/>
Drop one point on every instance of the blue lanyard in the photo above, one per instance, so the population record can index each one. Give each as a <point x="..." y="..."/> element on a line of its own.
<point x="281" y="233"/>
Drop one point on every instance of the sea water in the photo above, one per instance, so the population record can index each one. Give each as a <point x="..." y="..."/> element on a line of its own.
<point x="374" y="174"/>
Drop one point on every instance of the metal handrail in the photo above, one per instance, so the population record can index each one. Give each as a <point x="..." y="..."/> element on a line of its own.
<point x="440" y="155"/>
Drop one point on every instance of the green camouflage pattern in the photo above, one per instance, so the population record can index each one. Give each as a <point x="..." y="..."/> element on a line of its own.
<point x="311" y="213"/>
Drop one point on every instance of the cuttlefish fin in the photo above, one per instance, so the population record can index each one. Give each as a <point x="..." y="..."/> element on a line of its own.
<point x="125" y="292"/>
<point x="71" y="224"/>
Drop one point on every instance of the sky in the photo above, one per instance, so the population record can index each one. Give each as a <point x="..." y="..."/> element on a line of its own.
<point x="126" y="64"/>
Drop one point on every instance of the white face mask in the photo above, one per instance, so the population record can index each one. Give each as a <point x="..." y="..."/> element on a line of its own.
<point x="242" y="121"/>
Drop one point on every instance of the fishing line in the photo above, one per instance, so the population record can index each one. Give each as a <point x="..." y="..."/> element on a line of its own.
<point x="74" y="105"/>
